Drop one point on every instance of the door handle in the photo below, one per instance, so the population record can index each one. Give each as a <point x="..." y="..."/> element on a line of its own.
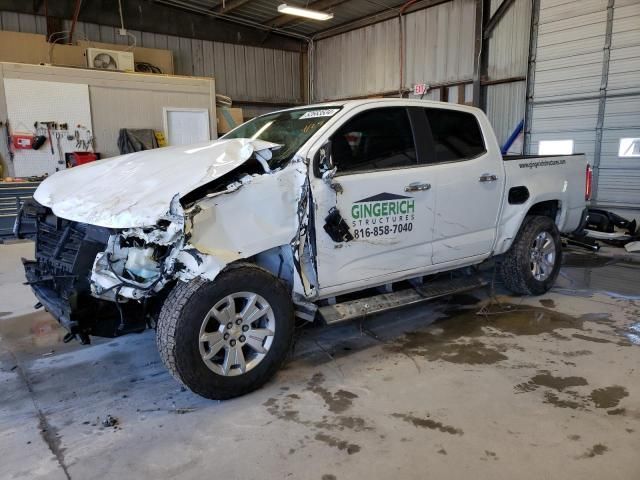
<point x="488" y="177"/>
<point x="417" y="187"/>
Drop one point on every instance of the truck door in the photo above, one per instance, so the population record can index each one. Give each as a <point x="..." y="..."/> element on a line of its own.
<point x="468" y="184"/>
<point x="384" y="195"/>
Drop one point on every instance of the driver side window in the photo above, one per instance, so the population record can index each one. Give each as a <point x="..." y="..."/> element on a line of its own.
<point x="377" y="139"/>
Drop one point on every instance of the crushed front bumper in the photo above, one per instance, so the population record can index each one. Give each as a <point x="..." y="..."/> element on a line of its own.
<point x="49" y="298"/>
<point x="60" y="276"/>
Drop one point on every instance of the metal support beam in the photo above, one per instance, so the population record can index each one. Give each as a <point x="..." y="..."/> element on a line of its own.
<point x="497" y="16"/>
<point x="484" y="55"/>
<point x="604" y="84"/>
<point x="157" y="17"/>
<point x="501" y="81"/>
<point x="320" y="5"/>
<point x="376" y="18"/>
<point x="481" y="53"/>
<point x="531" y="73"/>
<point x="226" y="7"/>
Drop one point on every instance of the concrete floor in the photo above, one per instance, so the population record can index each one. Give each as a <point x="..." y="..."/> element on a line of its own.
<point x="544" y="387"/>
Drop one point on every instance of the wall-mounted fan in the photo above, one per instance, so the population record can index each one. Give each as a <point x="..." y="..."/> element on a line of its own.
<point x="109" y="59"/>
<point x="105" y="61"/>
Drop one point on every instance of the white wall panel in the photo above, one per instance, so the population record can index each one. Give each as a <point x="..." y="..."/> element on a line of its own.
<point x="67" y="103"/>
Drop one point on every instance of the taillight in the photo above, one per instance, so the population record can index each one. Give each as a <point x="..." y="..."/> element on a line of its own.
<point x="587" y="185"/>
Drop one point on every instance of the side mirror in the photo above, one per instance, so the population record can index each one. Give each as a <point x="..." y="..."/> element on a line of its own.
<point x="323" y="160"/>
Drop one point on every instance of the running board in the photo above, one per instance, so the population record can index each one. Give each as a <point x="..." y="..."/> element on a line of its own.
<point x="383" y="302"/>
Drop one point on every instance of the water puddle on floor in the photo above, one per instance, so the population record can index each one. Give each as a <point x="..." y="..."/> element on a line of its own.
<point x="608" y="397"/>
<point x="34" y="331"/>
<point x="458" y="338"/>
<point x="592" y="272"/>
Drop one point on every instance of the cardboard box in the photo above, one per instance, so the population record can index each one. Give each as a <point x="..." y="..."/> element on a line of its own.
<point x="23" y="47"/>
<point x="228" y="118"/>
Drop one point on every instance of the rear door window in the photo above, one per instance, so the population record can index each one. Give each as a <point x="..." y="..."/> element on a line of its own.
<point x="378" y="139"/>
<point x="456" y="135"/>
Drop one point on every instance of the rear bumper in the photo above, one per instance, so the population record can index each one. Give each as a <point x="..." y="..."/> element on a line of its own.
<point x="584" y="218"/>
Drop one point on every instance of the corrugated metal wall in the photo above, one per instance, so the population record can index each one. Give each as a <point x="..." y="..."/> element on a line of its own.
<point x="619" y="178"/>
<point x="508" y="58"/>
<point x="360" y="62"/>
<point x="589" y="93"/>
<point x="440" y="42"/>
<point x="439" y="49"/>
<point x="506" y="108"/>
<point x="242" y="72"/>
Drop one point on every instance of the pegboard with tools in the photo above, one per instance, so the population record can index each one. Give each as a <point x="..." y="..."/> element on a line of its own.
<point x="47" y="120"/>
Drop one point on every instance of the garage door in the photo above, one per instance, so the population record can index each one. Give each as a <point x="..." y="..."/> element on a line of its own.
<point x="586" y="92"/>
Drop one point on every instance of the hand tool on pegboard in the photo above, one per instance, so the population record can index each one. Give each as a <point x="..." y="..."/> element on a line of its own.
<point x="50" y="125"/>
<point x="59" y="136"/>
<point x="50" y="141"/>
<point x="8" y="135"/>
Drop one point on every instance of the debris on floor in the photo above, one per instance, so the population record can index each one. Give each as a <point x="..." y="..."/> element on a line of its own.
<point x="110" y="421"/>
<point x="610" y="228"/>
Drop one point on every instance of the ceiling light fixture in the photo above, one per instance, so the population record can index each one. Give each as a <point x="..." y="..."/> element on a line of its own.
<point x="304" y="12"/>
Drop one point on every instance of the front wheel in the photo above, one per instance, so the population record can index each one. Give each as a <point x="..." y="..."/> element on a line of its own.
<point x="532" y="264"/>
<point x="225" y="338"/>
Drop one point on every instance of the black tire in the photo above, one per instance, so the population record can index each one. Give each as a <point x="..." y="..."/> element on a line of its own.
<point x="182" y="316"/>
<point x="515" y="267"/>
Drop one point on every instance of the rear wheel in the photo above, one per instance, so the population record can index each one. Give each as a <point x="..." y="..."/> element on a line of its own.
<point x="225" y="338"/>
<point x="532" y="264"/>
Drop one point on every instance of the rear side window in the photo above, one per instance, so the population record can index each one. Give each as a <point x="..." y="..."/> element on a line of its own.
<point x="377" y="139"/>
<point x="456" y="135"/>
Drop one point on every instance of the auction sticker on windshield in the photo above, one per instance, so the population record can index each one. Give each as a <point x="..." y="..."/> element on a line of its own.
<point x="382" y="214"/>
<point x="320" y="113"/>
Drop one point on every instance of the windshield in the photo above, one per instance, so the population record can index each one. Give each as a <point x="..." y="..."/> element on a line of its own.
<point x="291" y="129"/>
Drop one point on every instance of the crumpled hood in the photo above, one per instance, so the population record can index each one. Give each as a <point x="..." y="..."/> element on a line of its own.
<point x="135" y="190"/>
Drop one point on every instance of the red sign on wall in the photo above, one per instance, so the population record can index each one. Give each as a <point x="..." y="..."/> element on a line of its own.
<point x="22" y="141"/>
<point x="420" y="89"/>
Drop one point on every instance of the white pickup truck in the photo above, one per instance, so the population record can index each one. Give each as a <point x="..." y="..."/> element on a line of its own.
<point x="221" y="245"/>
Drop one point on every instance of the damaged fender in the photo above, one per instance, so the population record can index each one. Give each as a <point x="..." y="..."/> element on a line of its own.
<point x="256" y="214"/>
<point x="264" y="213"/>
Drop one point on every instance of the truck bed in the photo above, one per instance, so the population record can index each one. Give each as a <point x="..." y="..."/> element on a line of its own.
<point x="557" y="179"/>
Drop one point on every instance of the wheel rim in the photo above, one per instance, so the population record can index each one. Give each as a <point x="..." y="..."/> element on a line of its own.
<point x="543" y="256"/>
<point x="236" y="333"/>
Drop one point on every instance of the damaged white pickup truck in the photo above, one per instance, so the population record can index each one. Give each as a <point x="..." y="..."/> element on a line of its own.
<point x="220" y="246"/>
